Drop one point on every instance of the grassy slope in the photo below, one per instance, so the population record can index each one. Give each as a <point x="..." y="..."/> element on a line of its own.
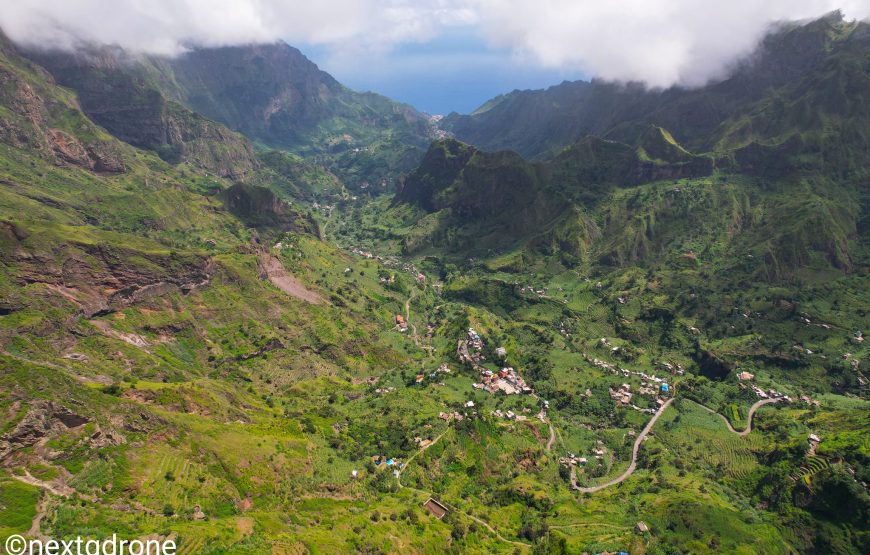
<point x="197" y="416"/>
<point x="212" y="415"/>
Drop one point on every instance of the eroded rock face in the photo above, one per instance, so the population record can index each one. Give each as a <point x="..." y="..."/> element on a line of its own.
<point x="41" y="418"/>
<point x="32" y="427"/>
<point x="101" y="278"/>
<point x="27" y="124"/>
<point x="115" y="91"/>
<point x="105" y="438"/>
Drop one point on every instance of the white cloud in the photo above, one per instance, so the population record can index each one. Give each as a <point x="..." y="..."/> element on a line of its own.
<point x="660" y="42"/>
<point x="169" y="26"/>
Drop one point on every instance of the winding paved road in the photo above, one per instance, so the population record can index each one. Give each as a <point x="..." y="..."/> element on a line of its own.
<point x="633" y="466"/>
<point x="634" y="450"/>
<point x="752" y="410"/>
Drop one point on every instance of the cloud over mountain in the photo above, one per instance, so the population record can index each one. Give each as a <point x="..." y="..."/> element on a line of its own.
<point x="661" y="42"/>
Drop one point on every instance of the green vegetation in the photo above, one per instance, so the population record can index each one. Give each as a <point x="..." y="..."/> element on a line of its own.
<point x="246" y="351"/>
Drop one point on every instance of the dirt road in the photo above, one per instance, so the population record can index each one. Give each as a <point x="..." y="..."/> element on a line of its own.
<point x="634" y="450"/>
<point x="752" y="410"/>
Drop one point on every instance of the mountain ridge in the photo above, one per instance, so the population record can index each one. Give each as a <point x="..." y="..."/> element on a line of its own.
<point x="270" y="93"/>
<point x="206" y="339"/>
<point x="544" y="121"/>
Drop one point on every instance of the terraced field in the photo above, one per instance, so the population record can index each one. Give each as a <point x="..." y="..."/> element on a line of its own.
<point x="705" y="437"/>
<point x="812" y="465"/>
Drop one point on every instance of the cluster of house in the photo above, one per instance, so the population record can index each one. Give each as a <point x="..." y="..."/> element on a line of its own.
<point x="623" y="395"/>
<point x="612" y="368"/>
<point x="443" y="369"/>
<point x="506" y="380"/>
<point x="745" y="376"/>
<point x="365" y="254"/>
<point x="451" y="416"/>
<point x="388" y="261"/>
<point x="605" y="343"/>
<point x="856" y="365"/>
<point x="469" y="350"/>
<point x="528" y="289"/>
<point x="573" y="460"/>
<point x="676" y="369"/>
<point x="769" y="394"/>
<point x="326" y="208"/>
<point x="509" y="415"/>
<point x="382" y="390"/>
<point x="422" y="443"/>
<point x="602" y="363"/>
<point x="382" y="461"/>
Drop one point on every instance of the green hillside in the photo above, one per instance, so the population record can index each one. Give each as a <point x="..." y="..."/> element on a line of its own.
<point x="646" y="337"/>
<point x="270" y="93"/>
<point x="539" y="124"/>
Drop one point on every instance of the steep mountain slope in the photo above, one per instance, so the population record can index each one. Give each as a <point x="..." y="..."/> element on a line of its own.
<point x="274" y="95"/>
<point x="540" y="123"/>
<point x="122" y="99"/>
<point x="49" y="124"/>
<point x="182" y="356"/>
<point x="783" y="183"/>
<point x="270" y="93"/>
<point x="478" y="200"/>
<point x="171" y="342"/>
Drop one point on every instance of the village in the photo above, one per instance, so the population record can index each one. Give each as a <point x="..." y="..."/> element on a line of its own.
<point x="651" y="386"/>
<point x="648" y="392"/>
<point x="506" y="380"/>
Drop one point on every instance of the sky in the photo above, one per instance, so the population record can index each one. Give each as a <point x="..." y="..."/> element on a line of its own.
<point x="441" y="55"/>
<point x="454" y="72"/>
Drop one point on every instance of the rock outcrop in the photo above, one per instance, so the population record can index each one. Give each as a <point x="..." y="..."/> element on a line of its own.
<point x="41" y="418"/>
